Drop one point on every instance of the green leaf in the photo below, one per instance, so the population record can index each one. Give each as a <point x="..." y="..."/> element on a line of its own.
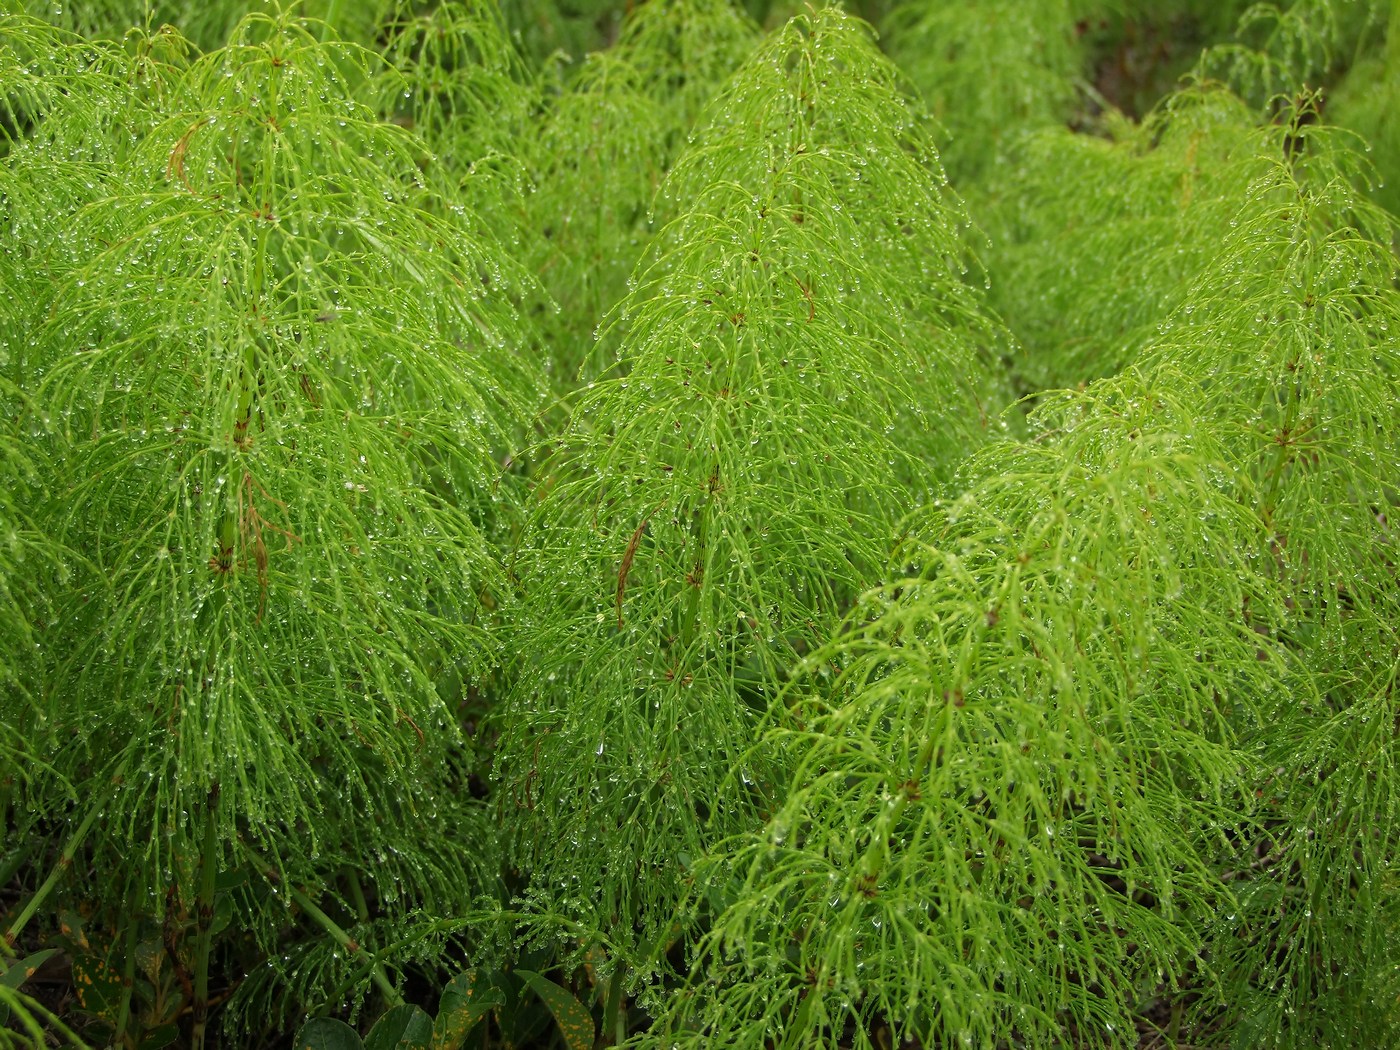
<point x="326" y="1033"/>
<point x="405" y="1027"/>
<point x="465" y="1001"/>
<point x="18" y="973"/>
<point x="99" y="986"/>
<point x="70" y="926"/>
<point x="223" y="912"/>
<point x="575" y="1022"/>
<point x="165" y="1035"/>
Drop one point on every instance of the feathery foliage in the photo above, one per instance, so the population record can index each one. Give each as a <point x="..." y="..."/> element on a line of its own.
<point x="989" y="71"/>
<point x="279" y="373"/>
<point x="1278" y="48"/>
<point x="1304" y="289"/>
<point x="1096" y="240"/>
<point x="454" y="76"/>
<point x="515" y="530"/>
<point x="607" y="142"/>
<point x="1004" y="769"/>
<point x="711" y="509"/>
<point x="219" y="444"/>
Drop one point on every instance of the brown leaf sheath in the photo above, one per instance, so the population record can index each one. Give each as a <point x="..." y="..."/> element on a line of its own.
<point x="626" y="566"/>
<point x="807" y="294"/>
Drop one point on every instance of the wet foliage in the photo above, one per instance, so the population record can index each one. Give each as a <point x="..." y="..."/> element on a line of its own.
<point x="689" y="523"/>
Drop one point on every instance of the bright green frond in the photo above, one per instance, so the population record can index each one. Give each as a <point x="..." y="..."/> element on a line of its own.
<point x="1006" y="769"/>
<point x="781" y="399"/>
<point x="281" y="381"/>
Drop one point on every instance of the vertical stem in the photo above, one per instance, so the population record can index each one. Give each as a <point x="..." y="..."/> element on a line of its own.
<point x="614" y="1029"/>
<point x="1273" y="478"/>
<point x="203" y="944"/>
<point x="65" y="861"/>
<point x="313" y="912"/>
<point x="12" y="862"/>
<point x="1274" y="475"/>
<point x="686" y="630"/>
<point x="128" y="981"/>
<point x="329" y="27"/>
<point x="357" y="894"/>
<point x="7" y="787"/>
<point x="1392" y="42"/>
<point x="759" y="9"/>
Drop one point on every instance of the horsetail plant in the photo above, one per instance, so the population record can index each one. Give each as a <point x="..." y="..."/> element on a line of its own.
<point x="1251" y="437"/>
<point x="1001" y="772"/>
<point x="608" y="139"/>
<point x="548" y="539"/>
<point x="280" y="374"/>
<point x="455" y="77"/>
<point x="947" y="49"/>
<point x="1293" y="338"/>
<point x="711" y="508"/>
<point x="1279" y="48"/>
<point x="1095" y="240"/>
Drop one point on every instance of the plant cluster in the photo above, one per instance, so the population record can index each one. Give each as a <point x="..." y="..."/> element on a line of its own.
<point x="693" y="523"/>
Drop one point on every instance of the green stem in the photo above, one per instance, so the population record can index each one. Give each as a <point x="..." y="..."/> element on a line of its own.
<point x="328" y="26"/>
<point x="13" y="861"/>
<point x="688" y="630"/>
<point x="1273" y="477"/>
<point x="128" y="982"/>
<point x="1392" y="41"/>
<point x="65" y="861"/>
<point x="203" y="944"/>
<point x="314" y="912"/>
<point x="759" y="9"/>
<point x="612" y="1010"/>
<point x="381" y="979"/>
<point x="7" y="788"/>
<point x="357" y="894"/>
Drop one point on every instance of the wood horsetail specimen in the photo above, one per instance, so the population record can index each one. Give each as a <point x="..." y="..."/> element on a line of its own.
<point x="689" y="523"/>
<point x="709" y="512"/>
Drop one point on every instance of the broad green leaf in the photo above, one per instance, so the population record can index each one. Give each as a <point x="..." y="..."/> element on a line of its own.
<point x="151" y="959"/>
<point x="326" y="1033"/>
<point x="21" y="971"/>
<point x="575" y="1022"/>
<point x="98" y="985"/>
<point x="465" y="1001"/>
<point x="405" y="1027"/>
